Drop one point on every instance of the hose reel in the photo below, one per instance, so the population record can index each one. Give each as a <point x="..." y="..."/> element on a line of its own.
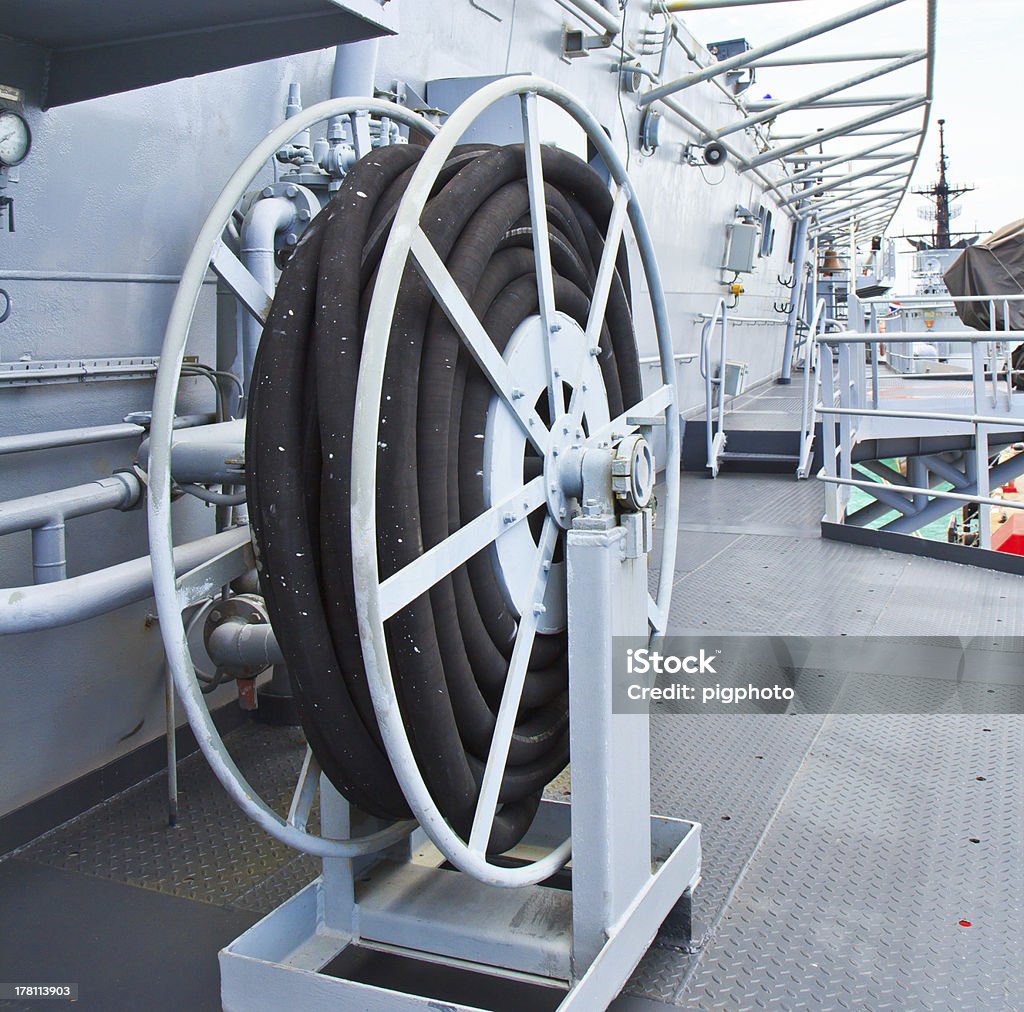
<point x="451" y="337"/>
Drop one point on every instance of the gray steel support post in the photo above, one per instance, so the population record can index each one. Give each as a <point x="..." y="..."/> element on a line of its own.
<point x="611" y="833"/>
<point x="800" y="245"/>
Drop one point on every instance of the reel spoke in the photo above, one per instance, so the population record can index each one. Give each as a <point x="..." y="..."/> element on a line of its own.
<point x="541" y="244"/>
<point x="651" y="408"/>
<point x="306" y="788"/>
<point x="599" y="302"/>
<point x="501" y="740"/>
<point x="606" y="269"/>
<point x="476" y="339"/>
<point x="418" y="577"/>
<point x="243" y="285"/>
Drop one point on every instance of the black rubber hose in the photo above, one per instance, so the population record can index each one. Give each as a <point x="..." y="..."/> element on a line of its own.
<point x="449" y="649"/>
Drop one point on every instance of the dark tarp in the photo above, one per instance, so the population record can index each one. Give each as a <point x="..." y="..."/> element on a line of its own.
<point x="992" y="267"/>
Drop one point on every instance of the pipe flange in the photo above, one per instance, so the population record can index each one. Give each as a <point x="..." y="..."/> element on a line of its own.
<point x="633" y="473"/>
<point x="242" y="609"/>
<point x="307" y="206"/>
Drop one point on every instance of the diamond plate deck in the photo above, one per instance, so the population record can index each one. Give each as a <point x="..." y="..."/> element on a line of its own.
<point x="838" y="853"/>
<point x="891" y="877"/>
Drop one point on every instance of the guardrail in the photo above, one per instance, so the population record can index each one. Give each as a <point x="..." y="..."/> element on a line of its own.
<point x="847" y="374"/>
<point x="715" y="429"/>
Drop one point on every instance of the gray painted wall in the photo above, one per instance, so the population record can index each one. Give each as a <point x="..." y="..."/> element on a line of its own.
<point x="121" y="185"/>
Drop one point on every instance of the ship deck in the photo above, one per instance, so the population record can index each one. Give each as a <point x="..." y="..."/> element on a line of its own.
<point x="850" y="861"/>
<point x="773" y="408"/>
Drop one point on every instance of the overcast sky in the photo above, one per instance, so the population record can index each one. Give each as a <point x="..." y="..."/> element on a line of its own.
<point x="979" y="70"/>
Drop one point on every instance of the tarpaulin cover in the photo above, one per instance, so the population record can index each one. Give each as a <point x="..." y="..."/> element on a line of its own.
<point x="992" y="267"/>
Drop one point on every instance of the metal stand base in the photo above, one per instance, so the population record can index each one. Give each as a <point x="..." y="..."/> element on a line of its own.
<point x="419" y="909"/>
<point x="629" y="870"/>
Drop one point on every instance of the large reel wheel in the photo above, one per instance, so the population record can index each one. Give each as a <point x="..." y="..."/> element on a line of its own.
<point x="210" y="251"/>
<point x="568" y="350"/>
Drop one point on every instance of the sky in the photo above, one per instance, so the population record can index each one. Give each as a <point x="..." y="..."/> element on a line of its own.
<point x="979" y="63"/>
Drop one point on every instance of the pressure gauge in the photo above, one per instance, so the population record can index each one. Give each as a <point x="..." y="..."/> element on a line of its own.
<point x="15" y="138"/>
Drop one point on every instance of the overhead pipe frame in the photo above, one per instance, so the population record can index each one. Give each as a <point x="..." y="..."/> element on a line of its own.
<point x="742" y="60"/>
<point x="762" y="112"/>
<point x="853" y="127"/>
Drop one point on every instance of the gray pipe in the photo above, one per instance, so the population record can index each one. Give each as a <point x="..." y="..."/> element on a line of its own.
<point x="265" y="219"/>
<point x="799" y="260"/>
<point x="119" y="491"/>
<point x="355" y="66"/>
<point x="596" y="12"/>
<point x="68" y="437"/>
<point x="44" y="515"/>
<point x="88" y="434"/>
<point x="237" y="644"/>
<point x="29" y="609"/>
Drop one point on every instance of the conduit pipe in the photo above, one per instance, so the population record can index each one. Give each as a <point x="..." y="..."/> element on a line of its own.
<point x="30" y="609"/>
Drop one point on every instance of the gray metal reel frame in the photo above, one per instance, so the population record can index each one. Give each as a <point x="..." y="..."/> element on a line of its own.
<point x="378" y="600"/>
<point x="173" y="595"/>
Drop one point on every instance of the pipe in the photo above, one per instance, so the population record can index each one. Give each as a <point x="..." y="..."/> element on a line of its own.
<point x="89" y="434"/>
<point x="265" y="219"/>
<point x="30" y="609"/>
<point x="237" y="644"/>
<point x="596" y="12"/>
<point x="45" y="516"/>
<point x="120" y="491"/>
<point x="800" y="247"/>
<point x="211" y="455"/>
<point x="68" y="437"/>
<point x="355" y="66"/>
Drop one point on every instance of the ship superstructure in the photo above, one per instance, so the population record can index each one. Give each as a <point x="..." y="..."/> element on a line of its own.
<point x="353" y="356"/>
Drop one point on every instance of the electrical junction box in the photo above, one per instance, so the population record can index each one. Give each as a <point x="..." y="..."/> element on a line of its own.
<point x="735" y="378"/>
<point x="741" y="247"/>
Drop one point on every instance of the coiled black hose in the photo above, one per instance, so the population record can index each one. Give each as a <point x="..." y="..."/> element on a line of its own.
<point x="449" y="649"/>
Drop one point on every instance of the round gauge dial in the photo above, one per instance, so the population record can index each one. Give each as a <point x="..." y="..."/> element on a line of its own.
<point x="15" y="138"/>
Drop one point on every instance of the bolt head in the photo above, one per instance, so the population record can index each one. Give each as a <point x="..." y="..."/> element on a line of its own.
<point x="215" y="615"/>
<point x="291" y="191"/>
<point x="268" y="191"/>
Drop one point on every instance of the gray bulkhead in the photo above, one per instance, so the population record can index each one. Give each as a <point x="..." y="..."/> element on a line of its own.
<point x="119" y="186"/>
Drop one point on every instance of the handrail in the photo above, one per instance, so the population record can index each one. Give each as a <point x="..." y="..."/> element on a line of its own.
<point x="715" y="433"/>
<point x="807" y="418"/>
<point x="993" y="407"/>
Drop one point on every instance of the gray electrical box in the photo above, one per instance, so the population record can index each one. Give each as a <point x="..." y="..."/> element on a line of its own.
<point x="741" y="247"/>
<point x="735" y="379"/>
